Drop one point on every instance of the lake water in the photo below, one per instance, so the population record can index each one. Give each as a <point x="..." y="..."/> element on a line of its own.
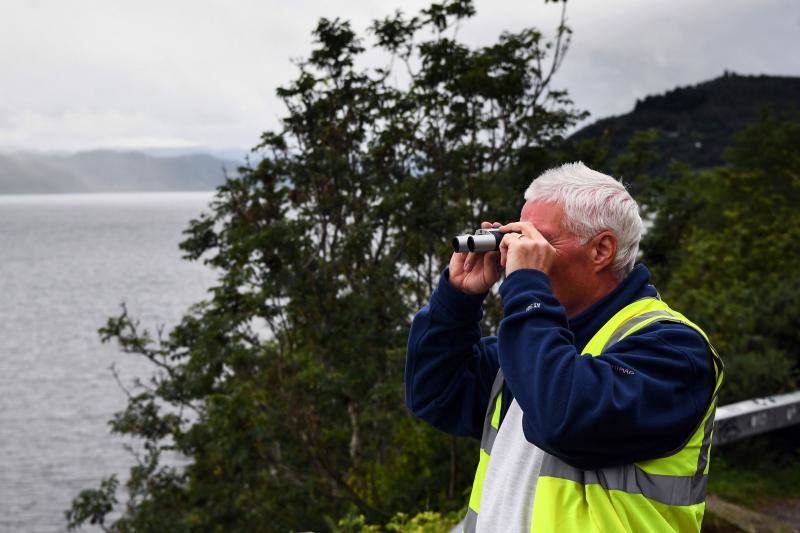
<point x="66" y="263"/>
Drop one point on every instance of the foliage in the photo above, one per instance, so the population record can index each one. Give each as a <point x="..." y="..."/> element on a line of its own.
<point x="283" y="391"/>
<point x="425" y="522"/>
<point x="92" y="505"/>
<point x="758" y="471"/>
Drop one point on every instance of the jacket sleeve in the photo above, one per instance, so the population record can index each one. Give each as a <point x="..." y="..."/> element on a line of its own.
<point x="449" y="367"/>
<point x="640" y="400"/>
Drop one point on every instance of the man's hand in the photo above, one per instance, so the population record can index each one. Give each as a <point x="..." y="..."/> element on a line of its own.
<point x="475" y="273"/>
<point x="525" y="248"/>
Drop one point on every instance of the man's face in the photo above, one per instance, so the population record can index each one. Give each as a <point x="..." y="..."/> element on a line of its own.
<point x="572" y="273"/>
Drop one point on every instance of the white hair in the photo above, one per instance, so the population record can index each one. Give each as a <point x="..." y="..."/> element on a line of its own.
<point x="593" y="202"/>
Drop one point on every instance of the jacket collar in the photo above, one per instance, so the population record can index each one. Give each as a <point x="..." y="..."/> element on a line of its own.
<point x="635" y="286"/>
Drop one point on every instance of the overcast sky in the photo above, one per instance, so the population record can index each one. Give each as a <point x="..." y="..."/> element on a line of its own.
<point x="89" y="74"/>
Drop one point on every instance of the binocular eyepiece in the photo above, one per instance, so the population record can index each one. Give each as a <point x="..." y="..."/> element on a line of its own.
<point x="483" y="240"/>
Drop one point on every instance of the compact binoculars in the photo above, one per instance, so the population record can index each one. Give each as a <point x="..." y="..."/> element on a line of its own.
<point x="483" y="240"/>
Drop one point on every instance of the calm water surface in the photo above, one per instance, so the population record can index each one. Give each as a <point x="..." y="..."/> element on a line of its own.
<point x="66" y="263"/>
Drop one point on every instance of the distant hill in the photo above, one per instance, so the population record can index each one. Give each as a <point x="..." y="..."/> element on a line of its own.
<point x="696" y="123"/>
<point x="110" y="171"/>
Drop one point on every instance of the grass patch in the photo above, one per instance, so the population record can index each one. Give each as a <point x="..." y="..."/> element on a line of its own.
<point x="757" y="471"/>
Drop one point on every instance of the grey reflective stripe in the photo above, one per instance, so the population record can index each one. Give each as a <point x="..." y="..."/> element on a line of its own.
<point x="497" y="387"/>
<point x="470" y="521"/>
<point x="490" y="433"/>
<point x="628" y="325"/>
<point x="669" y="490"/>
<point x="702" y="459"/>
<point x="487" y="442"/>
<point x="720" y="370"/>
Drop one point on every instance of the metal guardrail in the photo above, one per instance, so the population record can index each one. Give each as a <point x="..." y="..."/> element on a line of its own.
<point x="752" y="417"/>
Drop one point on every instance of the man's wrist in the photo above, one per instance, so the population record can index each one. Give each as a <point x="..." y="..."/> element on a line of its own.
<point x="458" y="304"/>
<point x="526" y="289"/>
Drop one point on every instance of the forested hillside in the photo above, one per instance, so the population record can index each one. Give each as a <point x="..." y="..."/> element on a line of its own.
<point x="696" y="123"/>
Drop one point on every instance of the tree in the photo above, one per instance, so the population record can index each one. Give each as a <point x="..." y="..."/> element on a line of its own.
<point x="284" y="389"/>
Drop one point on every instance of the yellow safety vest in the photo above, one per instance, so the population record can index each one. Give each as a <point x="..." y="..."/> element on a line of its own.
<point x="662" y="494"/>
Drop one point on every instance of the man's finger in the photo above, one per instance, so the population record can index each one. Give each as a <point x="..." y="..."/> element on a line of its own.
<point x="526" y="228"/>
<point x="490" y="264"/>
<point x="470" y="261"/>
<point x="504" y="249"/>
<point x="457" y="262"/>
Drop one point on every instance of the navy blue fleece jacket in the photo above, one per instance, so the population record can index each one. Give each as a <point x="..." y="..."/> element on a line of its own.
<point x="639" y="400"/>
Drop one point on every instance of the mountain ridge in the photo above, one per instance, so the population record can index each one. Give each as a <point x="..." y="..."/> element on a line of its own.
<point x="110" y="171"/>
<point x="696" y="123"/>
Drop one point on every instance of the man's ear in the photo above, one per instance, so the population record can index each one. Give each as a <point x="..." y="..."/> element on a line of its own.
<point x="603" y="249"/>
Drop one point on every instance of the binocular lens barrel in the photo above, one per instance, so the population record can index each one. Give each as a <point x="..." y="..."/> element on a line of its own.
<point x="484" y="243"/>
<point x="460" y="243"/>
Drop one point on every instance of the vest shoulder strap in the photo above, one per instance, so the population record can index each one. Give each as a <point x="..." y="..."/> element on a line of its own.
<point x="600" y="339"/>
<point x="640" y="314"/>
<point x="631" y="318"/>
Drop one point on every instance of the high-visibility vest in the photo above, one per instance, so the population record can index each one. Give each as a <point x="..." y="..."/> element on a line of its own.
<point x="661" y="494"/>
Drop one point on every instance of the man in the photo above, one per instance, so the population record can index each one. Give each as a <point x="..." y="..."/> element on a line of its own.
<point x="595" y="401"/>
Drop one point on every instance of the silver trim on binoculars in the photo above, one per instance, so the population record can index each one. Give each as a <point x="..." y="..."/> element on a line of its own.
<point x="460" y="243"/>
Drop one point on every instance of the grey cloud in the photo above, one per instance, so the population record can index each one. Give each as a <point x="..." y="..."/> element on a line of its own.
<point x="92" y="73"/>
